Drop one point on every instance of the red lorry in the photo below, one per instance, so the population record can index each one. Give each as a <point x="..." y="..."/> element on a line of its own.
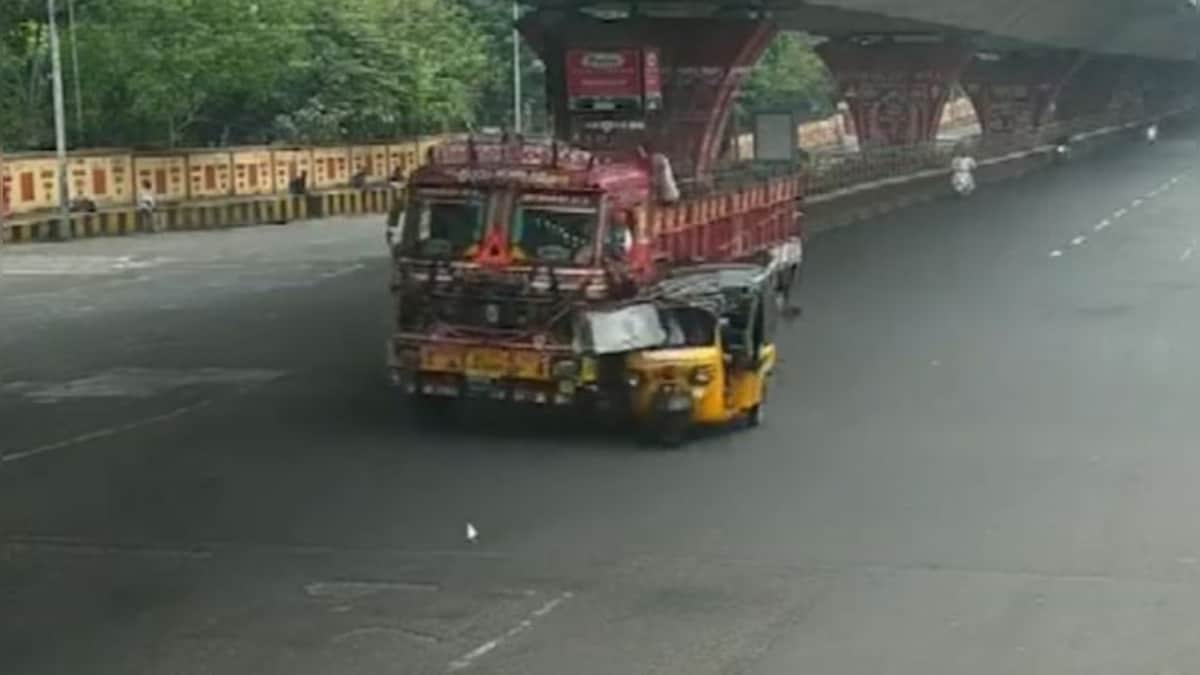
<point x="505" y="241"/>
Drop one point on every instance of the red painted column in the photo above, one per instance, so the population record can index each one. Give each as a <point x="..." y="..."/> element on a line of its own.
<point x="1015" y="92"/>
<point x="896" y="90"/>
<point x="701" y="63"/>
<point x="1102" y="88"/>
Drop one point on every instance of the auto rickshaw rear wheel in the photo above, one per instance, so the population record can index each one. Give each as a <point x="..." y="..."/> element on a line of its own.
<point x="758" y="414"/>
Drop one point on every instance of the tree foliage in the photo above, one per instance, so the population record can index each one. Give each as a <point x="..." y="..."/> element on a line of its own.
<point x="789" y="76"/>
<point x="164" y="73"/>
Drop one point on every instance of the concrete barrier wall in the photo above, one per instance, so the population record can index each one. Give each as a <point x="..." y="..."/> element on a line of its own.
<point x="111" y="178"/>
<point x="206" y="215"/>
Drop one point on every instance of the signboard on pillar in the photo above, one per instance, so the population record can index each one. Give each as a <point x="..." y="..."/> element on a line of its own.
<point x="604" y="80"/>
<point x="775" y="137"/>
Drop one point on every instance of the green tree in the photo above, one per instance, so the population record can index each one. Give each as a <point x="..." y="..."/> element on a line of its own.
<point x="494" y="103"/>
<point x="379" y="68"/>
<point x="789" y="76"/>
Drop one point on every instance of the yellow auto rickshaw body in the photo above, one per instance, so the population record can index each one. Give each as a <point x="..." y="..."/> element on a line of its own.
<point x="716" y="357"/>
<point x="720" y="391"/>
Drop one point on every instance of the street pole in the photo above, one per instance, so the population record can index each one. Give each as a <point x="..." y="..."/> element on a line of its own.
<point x="60" y="130"/>
<point x="75" y="72"/>
<point x="516" y="68"/>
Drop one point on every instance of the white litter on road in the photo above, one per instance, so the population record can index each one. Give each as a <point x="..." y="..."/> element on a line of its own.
<point x="472" y="533"/>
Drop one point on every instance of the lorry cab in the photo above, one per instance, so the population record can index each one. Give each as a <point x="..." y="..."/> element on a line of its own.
<point x="515" y="206"/>
<point x="715" y="362"/>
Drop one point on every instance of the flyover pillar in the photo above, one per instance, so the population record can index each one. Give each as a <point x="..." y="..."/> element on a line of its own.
<point x="664" y="84"/>
<point x="1103" y="90"/>
<point x="1014" y="93"/>
<point x="896" y="90"/>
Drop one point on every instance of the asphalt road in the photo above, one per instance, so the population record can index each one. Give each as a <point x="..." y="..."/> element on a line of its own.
<point x="982" y="456"/>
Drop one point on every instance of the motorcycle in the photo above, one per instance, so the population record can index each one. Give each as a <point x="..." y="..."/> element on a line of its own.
<point x="963" y="183"/>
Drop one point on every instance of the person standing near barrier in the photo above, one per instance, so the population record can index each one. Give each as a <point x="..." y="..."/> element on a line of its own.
<point x="146" y="207"/>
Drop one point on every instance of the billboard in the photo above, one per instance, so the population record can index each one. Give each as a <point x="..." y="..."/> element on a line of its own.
<point x="603" y="74"/>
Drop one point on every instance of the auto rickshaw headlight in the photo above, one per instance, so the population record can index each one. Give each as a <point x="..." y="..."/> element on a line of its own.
<point x="701" y="375"/>
<point x="635" y="380"/>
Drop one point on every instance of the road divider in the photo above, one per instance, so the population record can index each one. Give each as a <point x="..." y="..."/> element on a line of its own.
<point x="205" y="215"/>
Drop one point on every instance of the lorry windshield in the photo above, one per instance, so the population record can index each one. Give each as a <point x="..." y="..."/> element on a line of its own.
<point x="442" y="227"/>
<point x="563" y="233"/>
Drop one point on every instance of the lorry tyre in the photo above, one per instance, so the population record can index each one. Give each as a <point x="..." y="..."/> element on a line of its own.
<point x="432" y="409"/>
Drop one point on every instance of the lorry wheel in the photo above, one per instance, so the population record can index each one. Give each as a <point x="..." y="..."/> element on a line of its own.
<point x="432" y="409"/>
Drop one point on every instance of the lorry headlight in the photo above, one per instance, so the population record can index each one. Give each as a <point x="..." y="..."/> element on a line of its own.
<point x="564" y="369"/>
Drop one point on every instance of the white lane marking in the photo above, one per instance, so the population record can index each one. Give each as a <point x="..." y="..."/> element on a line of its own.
<point x="1078" y="240"/>
<point x="1187" y="253"/>
<point x="342" y="271"/>
<point x="102" y="433"/>
<point x="79" y="265"/>
<point x="137" y="383"/>
<point x="1055" y="253"/>
<point x="350" y="590"/>
<point x="80" y="546"/>
<point x="474" y="655"/>
<point x="1120" y="213"/>
<point x="1102" y="224"/>
<point x="380" y="631"/>
<point x="1137" y="203"/>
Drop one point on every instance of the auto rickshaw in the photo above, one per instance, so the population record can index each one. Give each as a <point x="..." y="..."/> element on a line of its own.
<point x="714" y="365"/>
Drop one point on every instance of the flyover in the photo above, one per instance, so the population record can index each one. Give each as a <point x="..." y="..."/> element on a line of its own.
<point x="1027" y="65"/>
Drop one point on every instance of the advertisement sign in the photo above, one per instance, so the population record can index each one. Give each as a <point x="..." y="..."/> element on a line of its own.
<point x="775" y="137"/>
<point x="603" y="77"/>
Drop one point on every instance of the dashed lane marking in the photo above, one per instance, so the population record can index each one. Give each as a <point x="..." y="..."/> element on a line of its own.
<point x="1056" y="253"/>
<point x="1102" y="225"/>
<point x="107" y="432"/>
<point x="74" y="265"/>
<point x="1077" y="241"/>
<point x="1187" y="253"/>
<point x="138" y="383"/>
<point x="1120" y="213"/>
<point x="1136" y="203"/>
<point x="466" y="660"/>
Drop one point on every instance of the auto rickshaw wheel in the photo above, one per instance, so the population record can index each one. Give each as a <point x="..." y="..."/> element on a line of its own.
<point x="758" y="414"/>
<point x="668" y="431"/>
